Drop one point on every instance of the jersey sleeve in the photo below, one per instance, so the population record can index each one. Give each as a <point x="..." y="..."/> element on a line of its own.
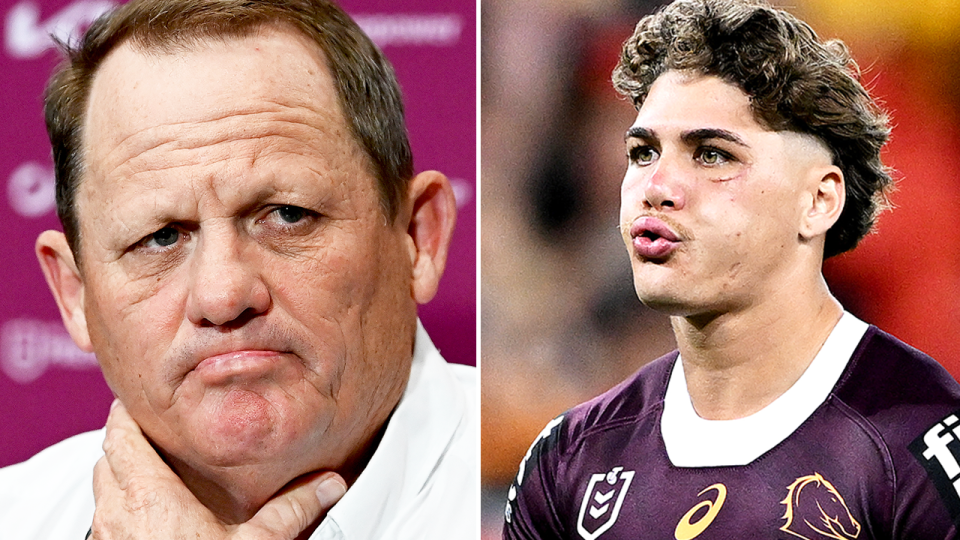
<point x="531" y="510"/>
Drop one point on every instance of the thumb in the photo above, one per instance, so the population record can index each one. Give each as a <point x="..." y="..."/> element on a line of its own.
<point x="291" y="512"/>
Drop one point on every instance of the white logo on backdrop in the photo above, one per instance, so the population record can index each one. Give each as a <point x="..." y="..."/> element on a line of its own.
<point x="26" y="36"/>
<point x="31" y="190"/>
<point x="462" y="191"/>
<point x="30" y="346"/>
<point x="404" y="29"/>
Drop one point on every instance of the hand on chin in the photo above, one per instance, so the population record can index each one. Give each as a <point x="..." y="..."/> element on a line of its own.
<point x="139" y="496"/>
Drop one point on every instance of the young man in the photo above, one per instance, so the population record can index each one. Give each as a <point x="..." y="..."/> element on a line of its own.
<point x="755" y="155"/>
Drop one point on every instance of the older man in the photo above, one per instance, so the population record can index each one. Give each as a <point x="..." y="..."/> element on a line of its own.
<point x="244" y="249"/>
<point x="754" y="155"/>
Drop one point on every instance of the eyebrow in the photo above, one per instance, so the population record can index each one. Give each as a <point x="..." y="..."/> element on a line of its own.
<point x="704" y="134"/>
<point x="688" y="137"/>
<point x="640" y="133"/>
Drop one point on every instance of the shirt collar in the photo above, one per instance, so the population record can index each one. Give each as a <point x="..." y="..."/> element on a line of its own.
<point x="692" y="441"/>
<point x="417" y="435"/>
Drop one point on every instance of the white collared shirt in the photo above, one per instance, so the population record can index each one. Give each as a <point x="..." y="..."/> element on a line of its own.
<point x="422" y="482"/>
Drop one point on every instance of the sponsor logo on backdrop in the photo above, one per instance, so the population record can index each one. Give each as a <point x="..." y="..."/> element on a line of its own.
<point x="26" y="36"/>
<point x="30" y="189"/>
<point x="462" y="191"/>
<point x="28" y="347"/>
<point x="386" y="29"/>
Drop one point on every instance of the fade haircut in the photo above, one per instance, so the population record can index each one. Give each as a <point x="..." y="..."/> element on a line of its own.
<point x="795" y="82"/>
<point x="366" y="85"/>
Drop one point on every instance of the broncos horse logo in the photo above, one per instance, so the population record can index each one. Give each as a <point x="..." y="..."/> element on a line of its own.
<point x="815" y="510"/>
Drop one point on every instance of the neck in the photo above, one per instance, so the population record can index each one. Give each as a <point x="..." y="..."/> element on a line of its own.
<point x="739" y="361"/>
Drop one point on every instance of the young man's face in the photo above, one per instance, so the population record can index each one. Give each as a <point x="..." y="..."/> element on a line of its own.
<point x="712" y="203"/>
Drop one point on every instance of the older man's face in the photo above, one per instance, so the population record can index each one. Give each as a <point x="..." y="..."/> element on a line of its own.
<point x="244" y="293"/>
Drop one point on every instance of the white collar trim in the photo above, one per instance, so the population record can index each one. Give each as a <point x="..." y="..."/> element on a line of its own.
<point x="692" y="441"/>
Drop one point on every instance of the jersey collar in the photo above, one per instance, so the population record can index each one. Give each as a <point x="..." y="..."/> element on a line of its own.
<point x="692" y="441"/>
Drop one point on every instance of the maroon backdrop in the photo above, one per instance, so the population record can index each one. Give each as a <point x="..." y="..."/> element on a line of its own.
<point x="49" y="390"/>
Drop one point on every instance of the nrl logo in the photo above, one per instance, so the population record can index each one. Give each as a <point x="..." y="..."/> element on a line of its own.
<point x="602" y="501"/>
<point x="815" y="510"/>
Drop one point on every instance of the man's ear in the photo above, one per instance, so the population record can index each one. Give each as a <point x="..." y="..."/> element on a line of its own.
<point x="63" y="278"/>
<point x="828" y="195"/>
<point x="433" y="215"/>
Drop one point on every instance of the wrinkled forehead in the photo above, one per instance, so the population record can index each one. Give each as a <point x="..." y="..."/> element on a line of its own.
<point x="136" y="90"/>
<point x="260" y="108"/>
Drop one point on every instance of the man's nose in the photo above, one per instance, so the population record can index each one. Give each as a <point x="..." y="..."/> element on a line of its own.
<point x="226" y="281"/>
<point x="662" y="186"/>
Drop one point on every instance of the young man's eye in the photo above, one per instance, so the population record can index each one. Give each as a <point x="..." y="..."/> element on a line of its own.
<point x="712" y="156"/>
<point x="642" y="155"/>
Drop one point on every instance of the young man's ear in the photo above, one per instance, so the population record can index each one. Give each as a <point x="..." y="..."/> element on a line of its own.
<point x="828" y="197"/>
<point x="432" y="218"/>
<point x="66" y="284"/>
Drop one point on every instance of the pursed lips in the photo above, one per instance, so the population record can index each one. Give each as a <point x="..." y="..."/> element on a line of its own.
<point x="653" y="238"/>
<point x="244" y="363"/>
<point x="216" y="359"/>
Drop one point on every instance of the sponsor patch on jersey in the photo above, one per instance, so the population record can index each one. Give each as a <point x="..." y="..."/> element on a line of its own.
<point x="937" y="450"/>
<point x="698" y="518"/>
<point x="601" y="502"/>
<point x="816" y="510"/>
<point x="544" y="441"/>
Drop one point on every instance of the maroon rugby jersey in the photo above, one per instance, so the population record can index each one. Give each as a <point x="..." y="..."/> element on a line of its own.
<point x="877" y="459"/>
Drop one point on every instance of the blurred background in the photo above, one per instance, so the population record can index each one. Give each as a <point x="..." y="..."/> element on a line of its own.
<point x="49" y="390"/>
<point x="560" y="322"/>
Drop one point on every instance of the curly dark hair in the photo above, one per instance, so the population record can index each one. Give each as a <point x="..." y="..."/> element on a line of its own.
<point x="366" y="85"/>
<point x="795" y="82"/>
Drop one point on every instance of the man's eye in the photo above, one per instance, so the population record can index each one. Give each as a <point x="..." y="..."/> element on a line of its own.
<point x="642" y="155"/>
<point x="165" y="237"/>
<point x="711" y="156"/>
<point x="291" y="214"/>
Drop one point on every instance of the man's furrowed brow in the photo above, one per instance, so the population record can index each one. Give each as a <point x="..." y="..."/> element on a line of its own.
<point x="637" y="132"/>
<point x="697" y="136"/>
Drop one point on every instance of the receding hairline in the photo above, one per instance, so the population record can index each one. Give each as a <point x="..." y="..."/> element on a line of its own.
<point x="365" y="82"/>
<point x="163" y="49"/>
<point x="136" y="51"/>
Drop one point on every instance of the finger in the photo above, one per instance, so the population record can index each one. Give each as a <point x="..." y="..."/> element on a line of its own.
<point x="105" y="483"/>
<point x="291" y="512"/>
<point x="106" y="494"/>
<point x="128" y="452"/>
